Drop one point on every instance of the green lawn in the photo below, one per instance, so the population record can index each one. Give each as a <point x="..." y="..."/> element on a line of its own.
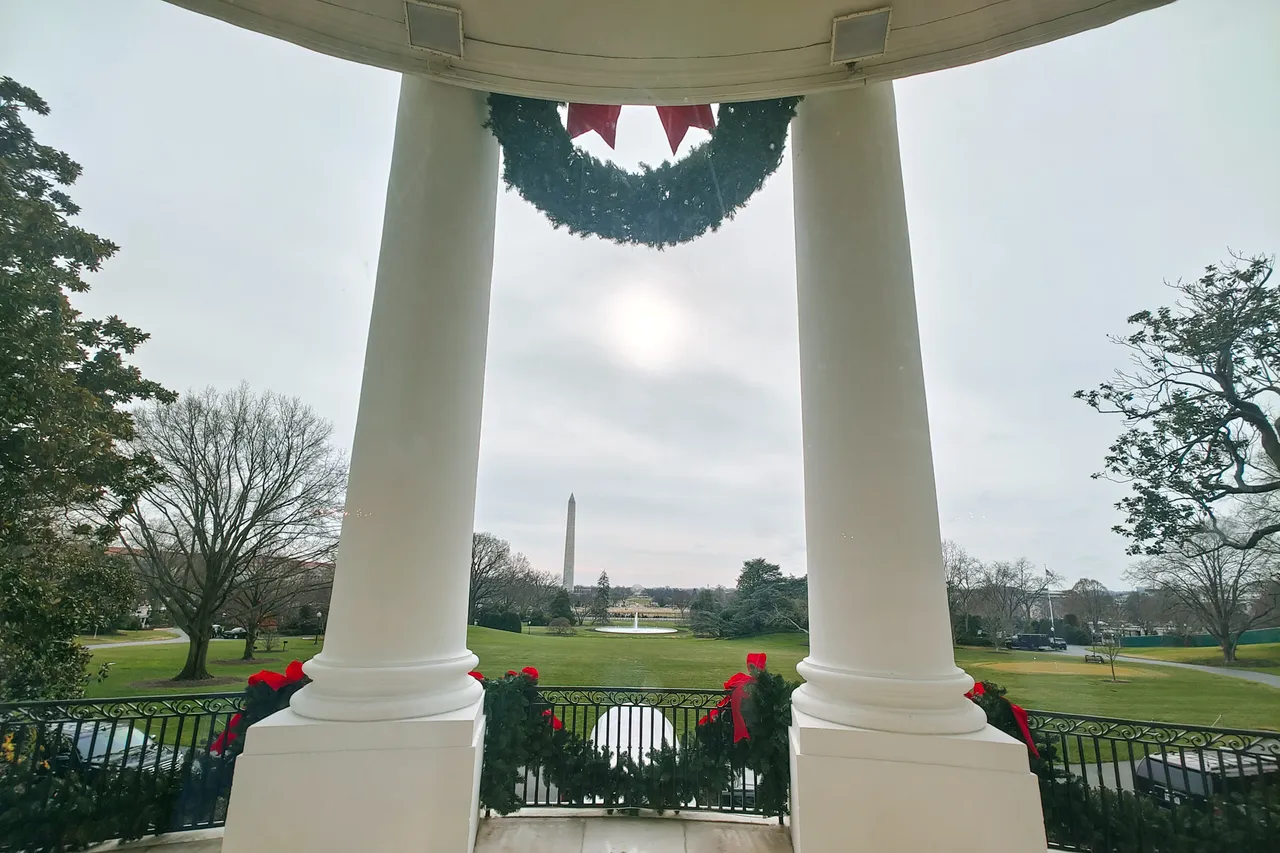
<point x="1044" y="680"/>
<point x="136" y="667"/>
<point x="148" y="636"/>
<point x="1259" y="657"/>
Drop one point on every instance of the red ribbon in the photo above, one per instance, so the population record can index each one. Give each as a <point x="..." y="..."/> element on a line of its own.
<point x="226" y="738"/>
<point x="736" y="686"/>
<point x="275" y="680"/>
<point x="1019" y="716"/>
<point x="676" y="121"/>
<point x="556" y="722"/>
<point x="603" y="119"/>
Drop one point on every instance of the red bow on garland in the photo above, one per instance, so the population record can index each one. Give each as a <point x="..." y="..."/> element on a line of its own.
<point x="275" y="680"/>
<point x="1019" y="716"/>
<point x="736" y="686"/>
<point x="603" y="119"/>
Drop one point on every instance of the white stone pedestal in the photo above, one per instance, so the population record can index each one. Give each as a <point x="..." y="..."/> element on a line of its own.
<point x="375" y="787"/>
<point x="855" y="790"/>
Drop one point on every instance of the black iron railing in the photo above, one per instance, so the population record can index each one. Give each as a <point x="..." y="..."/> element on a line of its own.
<point x="1107" y="785"/>
<point x="633" y="721"/>
<point x="1124" y="786"/>
<point x="97" y="769"/>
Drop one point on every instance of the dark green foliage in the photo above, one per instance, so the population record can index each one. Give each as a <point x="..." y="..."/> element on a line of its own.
<point x="1077" y="816"/>
<point x="66" y="471"/>
<point x="561" y="607"/>
<point x="1200" y="407"/>
<point x="767" y="712"/>
<point x="63" y="378"/>
<point x="765" y="601"/>
<point x="671" y="204"/>
<point x="50" y="590"/>
<point x="756" y="574"/>
<point x="520" y="733"/>
<point x="43" y="809"/>
<point x="502" y="620"/>
<point x="601" y="598"/>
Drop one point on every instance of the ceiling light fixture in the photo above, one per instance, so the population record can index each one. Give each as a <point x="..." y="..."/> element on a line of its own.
<point x="859" y="36"/>
<point x="435" y="28"/>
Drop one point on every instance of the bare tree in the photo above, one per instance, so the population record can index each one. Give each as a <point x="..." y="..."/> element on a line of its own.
<point x="1090" y="600"/>
<point x="964" y="584"/>
<point x="269" y="587"/>
<point x="490" y="558"/>
<point x="1008" y="592"/>
<point x="522" y="589"/>
<point x="1220" y="586"/>
<point x="1110" y="641"/>
<point x="248" y="479"/>
<point x="680" y="599"/>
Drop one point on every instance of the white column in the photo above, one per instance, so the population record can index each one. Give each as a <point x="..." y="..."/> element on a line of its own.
<point x="882" y="737"/>
<point x="396" y="639"/>
<point x="880" y="644"/>
<point x="382" y="751"/>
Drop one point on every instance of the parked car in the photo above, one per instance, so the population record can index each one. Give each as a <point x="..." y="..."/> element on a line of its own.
<point x="232" y="633"/>
<point x="741" y="794"/>
<point x="98" y="745"/>
<point x="1177" y="777"/>
<point x="1027" y="642"/>
<point x="1057" y="644"/>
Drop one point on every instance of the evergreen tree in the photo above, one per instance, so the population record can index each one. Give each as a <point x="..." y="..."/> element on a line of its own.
<point x="67" y="474"/>
<point x="598" y="611"/>
<point x="561" y="607"/>
<point x="757" y="573"/>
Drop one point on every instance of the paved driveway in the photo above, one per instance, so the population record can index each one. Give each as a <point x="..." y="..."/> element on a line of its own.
<point x="1242" y="674"/>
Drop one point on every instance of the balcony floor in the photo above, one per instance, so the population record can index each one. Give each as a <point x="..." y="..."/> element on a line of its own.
<point x="564" y="834"/>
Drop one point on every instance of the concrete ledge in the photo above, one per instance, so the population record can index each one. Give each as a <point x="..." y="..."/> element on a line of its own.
<point x="989" y="748"/>
<point x="286" y="732"/>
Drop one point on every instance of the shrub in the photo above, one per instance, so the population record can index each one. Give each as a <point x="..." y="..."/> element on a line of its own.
<point x="502" y="620"/>
<point x="560" y="627"/>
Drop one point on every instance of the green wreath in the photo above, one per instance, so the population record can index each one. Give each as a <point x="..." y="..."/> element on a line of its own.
<point x="674" y="203"/>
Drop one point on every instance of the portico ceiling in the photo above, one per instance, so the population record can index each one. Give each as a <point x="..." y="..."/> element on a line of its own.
<point x="668" y="51"/>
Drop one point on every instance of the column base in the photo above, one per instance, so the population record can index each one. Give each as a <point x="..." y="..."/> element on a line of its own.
<point x="856" y="790"/>
<point x="328" y="787"/>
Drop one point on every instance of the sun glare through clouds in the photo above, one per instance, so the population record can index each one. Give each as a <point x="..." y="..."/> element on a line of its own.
<point x="644" y="327"/>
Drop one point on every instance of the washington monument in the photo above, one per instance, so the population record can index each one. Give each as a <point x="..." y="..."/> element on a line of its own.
<point x="568" y="544"/>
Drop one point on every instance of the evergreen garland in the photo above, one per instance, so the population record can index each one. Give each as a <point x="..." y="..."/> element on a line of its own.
<point x="659" y="207"/>
<point x="521" y="733"/>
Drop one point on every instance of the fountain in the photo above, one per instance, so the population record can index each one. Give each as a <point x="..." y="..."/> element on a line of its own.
<point x="635" y="628"/>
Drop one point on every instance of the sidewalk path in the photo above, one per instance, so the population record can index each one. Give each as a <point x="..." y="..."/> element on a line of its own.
<point x="1230" y="672"/>
<point x="180" y="636"/>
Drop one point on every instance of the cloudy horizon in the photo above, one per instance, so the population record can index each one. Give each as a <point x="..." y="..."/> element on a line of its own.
<point x="1050" y="193"/>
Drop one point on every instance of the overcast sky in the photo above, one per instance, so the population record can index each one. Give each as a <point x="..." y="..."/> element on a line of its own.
<point x="1050" y="193"/>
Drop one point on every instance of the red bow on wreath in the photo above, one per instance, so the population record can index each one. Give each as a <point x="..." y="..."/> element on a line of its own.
<point x="736" y="686"/>
<point x="274" y="680"/>
<point x="1019" y="716"/>
<point x="603" y="119"/>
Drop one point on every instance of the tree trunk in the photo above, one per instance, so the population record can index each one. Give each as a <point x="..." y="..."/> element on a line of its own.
<point x="250" y="640"/>
<point x="1228" y="651"/>
<point x="196" y="669"/>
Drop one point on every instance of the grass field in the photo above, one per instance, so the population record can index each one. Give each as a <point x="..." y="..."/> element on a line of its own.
<point x="1259" y="657"/>
<point x="148" y="636"/>
<point x="1047" y="681"/>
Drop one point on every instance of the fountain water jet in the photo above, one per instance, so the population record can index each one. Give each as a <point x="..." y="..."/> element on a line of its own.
<point x="635" y="628"/>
